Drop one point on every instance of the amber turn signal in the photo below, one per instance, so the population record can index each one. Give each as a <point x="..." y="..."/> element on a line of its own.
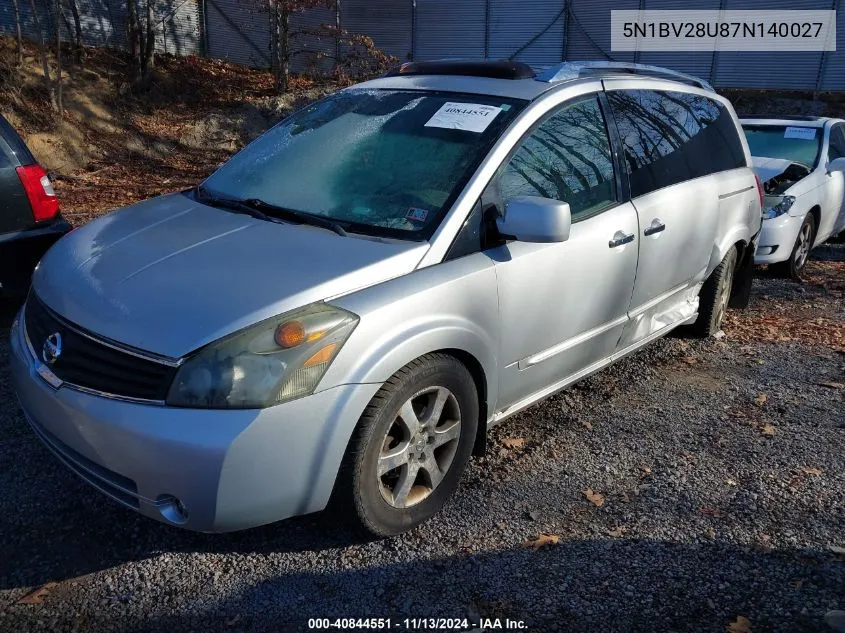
<point x="322" y="356"/>
<point x="290" y="334"/>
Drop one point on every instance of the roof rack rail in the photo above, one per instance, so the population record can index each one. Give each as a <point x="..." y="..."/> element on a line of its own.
<point x="783" y="117"/>
<point x="568" y="71"/>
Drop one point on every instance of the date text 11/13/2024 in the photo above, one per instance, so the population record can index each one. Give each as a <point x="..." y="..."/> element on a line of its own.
<point x="418" y="624"/>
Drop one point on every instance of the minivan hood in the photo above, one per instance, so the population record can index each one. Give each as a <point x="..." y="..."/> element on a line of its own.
<point x="170" y="275"/>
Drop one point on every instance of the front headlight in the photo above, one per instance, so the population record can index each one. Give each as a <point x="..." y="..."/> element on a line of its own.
<point x="780" y="208"/>
<point x="270" y="362"/>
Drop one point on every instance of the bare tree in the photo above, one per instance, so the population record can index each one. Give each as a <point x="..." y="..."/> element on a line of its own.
<point x="281" y="34"/>
<point x="78" y="50"/>
<point x="42" y="51"/>
<point x="361" y="54"/>
<point x="141" y="43"/>
<point x="57" y="5"/>
<point x="18" y="31"/>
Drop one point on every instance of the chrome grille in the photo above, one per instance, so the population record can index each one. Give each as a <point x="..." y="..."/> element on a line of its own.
<point x="92" y="363"/>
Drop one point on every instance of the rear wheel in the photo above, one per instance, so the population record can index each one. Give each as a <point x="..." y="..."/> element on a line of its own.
<point x="714" y="297"/>
<point x="794" y="266"/>
<point x="411" y="446"/>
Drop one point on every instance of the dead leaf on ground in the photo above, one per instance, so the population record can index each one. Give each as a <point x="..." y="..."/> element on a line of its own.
<point x="768" y="430"/>
<point x="543" y="539"/>
<point x="618" y="531"/>
<point x="586" y="424"/>
<point x="833" y="385"/>
<point x="37" y="595"/>
<point x="809" y="470"/>
<point x="760" y="399"/>
<point x="513" y="442"/>
<point x="740" y="625"/>
<point x="689" y="360"/>
<point x="596" y="498"/>
<point x="711" y="512"/>
<point x="645" y="471"/>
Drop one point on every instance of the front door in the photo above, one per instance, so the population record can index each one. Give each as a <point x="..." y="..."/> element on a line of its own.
<point x="563" y="306"/>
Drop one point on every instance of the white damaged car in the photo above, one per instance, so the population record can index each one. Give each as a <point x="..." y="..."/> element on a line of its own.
<point x="801" y="163"/>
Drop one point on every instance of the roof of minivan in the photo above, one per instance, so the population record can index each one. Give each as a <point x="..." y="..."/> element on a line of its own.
<point x="513" y="79"/>
<point x="527" y="89"/>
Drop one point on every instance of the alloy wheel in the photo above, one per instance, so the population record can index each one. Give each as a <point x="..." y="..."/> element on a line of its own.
<point x="802" y="249"/>
<point x="724" y="296"/>
<point x="419" y="447"/>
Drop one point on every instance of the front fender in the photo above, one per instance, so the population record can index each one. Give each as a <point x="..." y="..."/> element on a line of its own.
<point x="450" y="306"/>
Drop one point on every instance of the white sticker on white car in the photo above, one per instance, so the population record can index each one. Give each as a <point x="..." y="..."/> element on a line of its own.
<point x="805" y="133"/>
<point x="472" y="117"/>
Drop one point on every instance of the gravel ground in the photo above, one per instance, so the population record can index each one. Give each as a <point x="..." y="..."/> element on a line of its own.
<point x="722" y="482"/>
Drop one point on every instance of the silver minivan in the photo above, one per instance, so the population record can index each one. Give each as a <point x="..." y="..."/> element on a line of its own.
<point x="343" y="309"/>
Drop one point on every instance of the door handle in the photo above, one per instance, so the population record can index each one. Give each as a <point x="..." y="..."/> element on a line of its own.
<point x="656" y="227"/>
<point x="620" y="238"/>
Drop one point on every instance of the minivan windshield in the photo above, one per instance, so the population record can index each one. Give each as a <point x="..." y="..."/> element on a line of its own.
<point x="386" y="162"/>
<point x="794" y="143"/>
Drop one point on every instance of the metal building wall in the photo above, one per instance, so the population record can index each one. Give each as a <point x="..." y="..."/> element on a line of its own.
<point x="388" y="22"/>
<point x="698" y="64"/>
<point x="514" y="26"/>
<point x="445" y="28"/>
<point x="314" y="51"/>
<point x="788" y="70"/>
<point x="588" y="29"/>
<point x="104" y="23"/>
<point x="539" y="32"/>
<point x="238" y="32"/>
<point x="832" y="71"/>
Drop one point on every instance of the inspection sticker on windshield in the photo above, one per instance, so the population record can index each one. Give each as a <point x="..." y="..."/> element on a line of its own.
<point x="806" y="133"/>
<point x="472" y="117"/>
<point x="416" y="214"/>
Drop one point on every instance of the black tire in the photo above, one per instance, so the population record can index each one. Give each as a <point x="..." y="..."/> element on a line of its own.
<point x="714" y="297"/>
<point x="362" y="494"/>
<point x="794" y="266"/>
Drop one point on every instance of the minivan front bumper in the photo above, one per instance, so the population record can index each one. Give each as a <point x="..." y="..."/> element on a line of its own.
<point x="228" y="469"/>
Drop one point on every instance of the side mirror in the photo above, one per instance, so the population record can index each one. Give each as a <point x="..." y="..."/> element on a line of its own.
<point x="535" y="219"/>
<point x="837" y="164"/>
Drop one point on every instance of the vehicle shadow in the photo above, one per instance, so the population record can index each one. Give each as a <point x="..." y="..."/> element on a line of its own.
<point x="578" y="585"/>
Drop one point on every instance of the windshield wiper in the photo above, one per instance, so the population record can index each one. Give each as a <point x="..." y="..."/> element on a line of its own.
<point x="203" y="195"/>
<point x="256" y="208"/>
<point x="299" y="216"/>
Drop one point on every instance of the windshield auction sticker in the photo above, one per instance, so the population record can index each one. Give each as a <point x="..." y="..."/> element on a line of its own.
<point x="806" y="133"/>
<point x="472" y="117"/>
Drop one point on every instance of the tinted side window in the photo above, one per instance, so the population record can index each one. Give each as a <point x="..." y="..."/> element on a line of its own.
<point x="566" y="158"/>
<point x="670" y="137"/>
<point x="837" y="142"/>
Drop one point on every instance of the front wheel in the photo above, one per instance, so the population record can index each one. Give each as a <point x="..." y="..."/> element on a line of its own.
<point x="714" y="297"/>
<point x="794" y="266"/>
<point x="410" y="447"/>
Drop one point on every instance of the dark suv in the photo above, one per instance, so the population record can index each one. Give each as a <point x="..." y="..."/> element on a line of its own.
<point x="29" y="213"/>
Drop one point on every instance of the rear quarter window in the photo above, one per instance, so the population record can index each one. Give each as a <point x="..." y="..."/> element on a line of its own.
<point x="671" y="137"/>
